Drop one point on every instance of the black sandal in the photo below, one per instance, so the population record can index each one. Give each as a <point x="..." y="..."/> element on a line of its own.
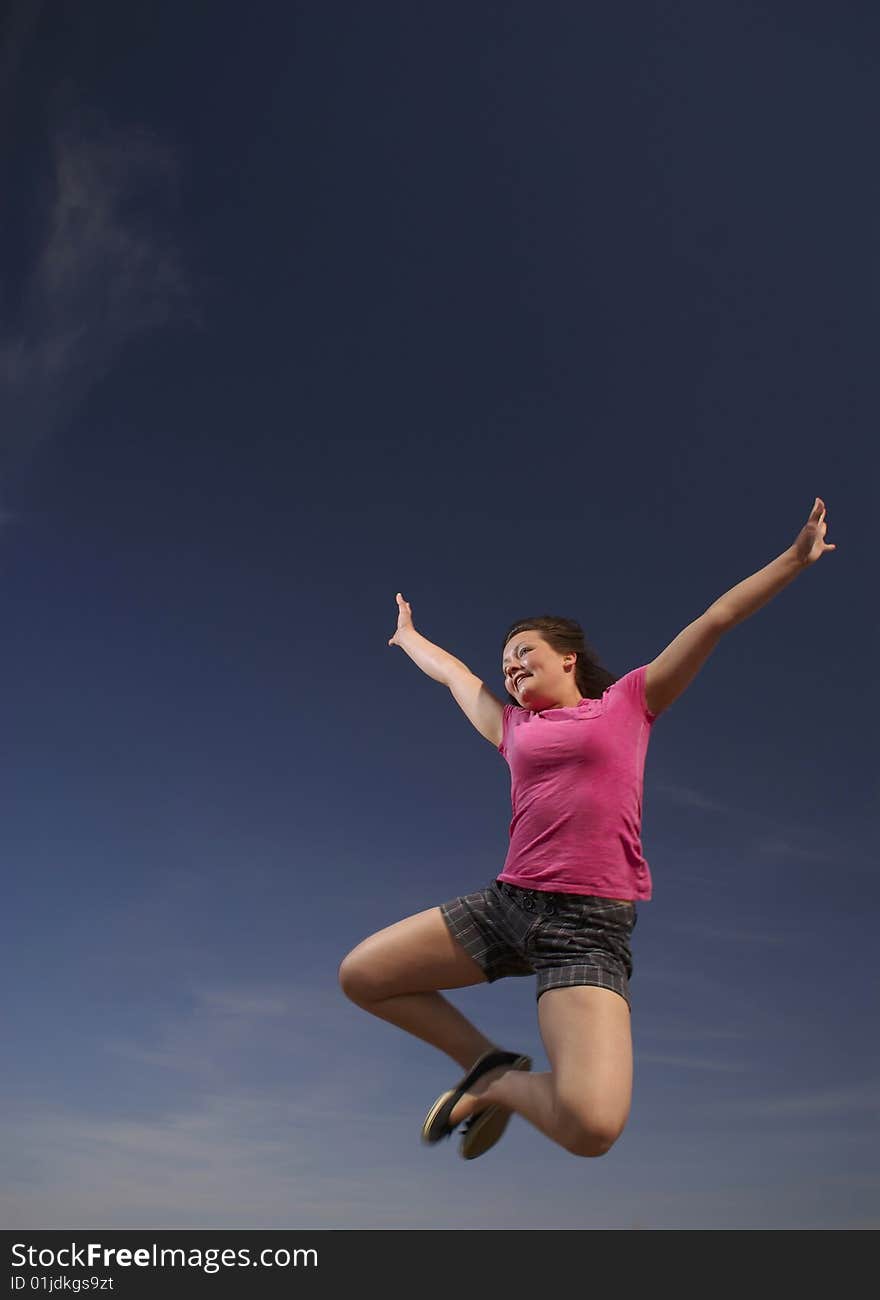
<point x="482" y="1131"/>
<point x="436" y="1125"/>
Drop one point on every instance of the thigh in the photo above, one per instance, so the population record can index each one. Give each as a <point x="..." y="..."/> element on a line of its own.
<point x="587" y="1034"/>
<point x="415" y="955"/>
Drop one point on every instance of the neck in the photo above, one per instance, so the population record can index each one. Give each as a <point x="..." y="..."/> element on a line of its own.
<point x="561" y="704"/>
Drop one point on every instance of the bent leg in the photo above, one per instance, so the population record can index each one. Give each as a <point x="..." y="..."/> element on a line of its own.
<point x="394" y="974"/>
<point x="584" y="1101"/>
<point x="588" y="1037"/>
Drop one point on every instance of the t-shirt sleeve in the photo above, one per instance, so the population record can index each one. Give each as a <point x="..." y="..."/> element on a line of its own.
<point x="505" y="728"/>
<point x="632" y="688"/>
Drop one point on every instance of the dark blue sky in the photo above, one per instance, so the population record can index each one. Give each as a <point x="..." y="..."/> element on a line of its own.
<point x="516" y="309"/>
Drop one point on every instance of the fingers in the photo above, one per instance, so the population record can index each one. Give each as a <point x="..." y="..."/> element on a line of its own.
<point x="404" y="616"/>
<point x="821" y="515"/>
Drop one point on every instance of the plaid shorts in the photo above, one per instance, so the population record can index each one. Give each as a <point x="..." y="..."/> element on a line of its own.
<point x="564" y="939"/>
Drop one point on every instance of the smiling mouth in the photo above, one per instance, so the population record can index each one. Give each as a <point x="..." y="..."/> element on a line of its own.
<point x="519" y="681"/>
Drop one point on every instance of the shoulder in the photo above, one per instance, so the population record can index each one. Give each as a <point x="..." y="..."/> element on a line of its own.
<point x="633" y="688"/>
<point x="511" y="715"/>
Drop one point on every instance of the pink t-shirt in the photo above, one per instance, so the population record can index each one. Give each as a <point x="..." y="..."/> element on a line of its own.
<point x="576" y="791"/>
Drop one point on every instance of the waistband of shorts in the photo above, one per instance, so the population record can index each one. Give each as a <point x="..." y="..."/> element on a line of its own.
<point x="546" y="901"/>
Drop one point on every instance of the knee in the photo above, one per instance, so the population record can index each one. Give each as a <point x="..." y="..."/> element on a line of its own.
<point x="354" y="979"/>
<point x="358" y="978"/>
<point x="590" y="1142"/>
<point x="590" y="1135"/>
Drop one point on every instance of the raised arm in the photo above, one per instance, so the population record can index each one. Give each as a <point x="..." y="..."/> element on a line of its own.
<point x="673" y="670"/>
<point x="474" y="698"/>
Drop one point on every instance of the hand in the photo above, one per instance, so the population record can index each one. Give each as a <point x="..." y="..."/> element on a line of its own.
<point x="404" y="618"/>
<point x="811" y="542"/>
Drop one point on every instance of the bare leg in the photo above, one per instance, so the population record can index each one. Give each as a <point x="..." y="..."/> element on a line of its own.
<point x="583" y="1103"/>
<point x="395" y="974"/>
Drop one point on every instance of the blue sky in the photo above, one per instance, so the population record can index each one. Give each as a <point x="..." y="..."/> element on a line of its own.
<point x="514" y="309"/>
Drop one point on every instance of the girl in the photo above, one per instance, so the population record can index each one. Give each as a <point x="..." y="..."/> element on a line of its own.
<point x="564" y="904"/>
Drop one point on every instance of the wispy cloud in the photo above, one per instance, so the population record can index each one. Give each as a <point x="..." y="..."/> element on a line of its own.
<point x="716" y="1064"/>
<point x="693" y="1033"/>
<point x="262" y="1123"/>
<point x="103" y="274"/>
<point x="236" y="1031"/>
<point x="690" y="797"/>
<point x="828" y="1102"/>
<point x="796" y="842"/>
<point x="281" y="1111"/>
<point x="273" y="1119"/>
<point x="242" y="1002"/>
<point x="781" y="846"/>
<point x="236" y="1157"/>
<point x="728" y="935"/>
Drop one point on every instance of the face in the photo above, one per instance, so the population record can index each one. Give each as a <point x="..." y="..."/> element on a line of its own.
<point x="534" y="673"/>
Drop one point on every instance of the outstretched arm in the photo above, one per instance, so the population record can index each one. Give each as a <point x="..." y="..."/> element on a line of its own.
<point x="673" y="670"/>
<point x="476" y="701"/>
<point x="432" y="659"/>
<point x="742" y="600"/>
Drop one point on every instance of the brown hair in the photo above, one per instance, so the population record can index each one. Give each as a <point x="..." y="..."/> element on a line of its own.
<point x="567" y="637"/>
